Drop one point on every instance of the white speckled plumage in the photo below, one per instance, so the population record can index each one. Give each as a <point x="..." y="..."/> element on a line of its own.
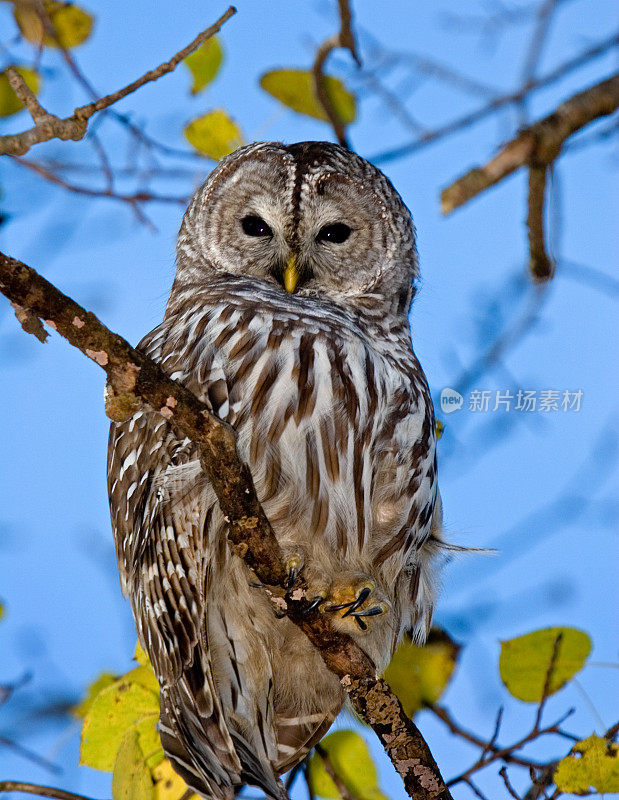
<point x="333" y="416"/>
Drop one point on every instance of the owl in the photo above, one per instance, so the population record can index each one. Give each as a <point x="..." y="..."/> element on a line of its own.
<point x="288" y="317"/>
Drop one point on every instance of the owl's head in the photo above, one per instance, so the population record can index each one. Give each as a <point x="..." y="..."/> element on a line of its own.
<point x="312" y="218"/>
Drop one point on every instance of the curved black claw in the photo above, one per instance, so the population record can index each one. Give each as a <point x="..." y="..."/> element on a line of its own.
<point x="354" y="604"/>
<point x="294" y="565"/>
<point x="368" y="612"/>
<point x="313" y="605"/>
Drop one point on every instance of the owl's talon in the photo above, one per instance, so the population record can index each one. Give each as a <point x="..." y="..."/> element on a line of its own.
<point x="355" y="608"/>
<point x="313" y="605"/>
<point x="293" y="564"/>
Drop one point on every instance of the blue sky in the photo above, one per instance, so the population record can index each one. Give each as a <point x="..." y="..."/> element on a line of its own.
<point x="538" y="487"/>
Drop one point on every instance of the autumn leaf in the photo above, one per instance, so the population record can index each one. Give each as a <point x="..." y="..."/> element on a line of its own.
<point x="352" y="763"/>
<point x="115" y="710"/>
<point x="593" y="764"/>
<point x="295" y="89"/>
<point x="204" y="63"/>
<point x="525" y="660"/>
<point x="419" y="675"/>
<point x="102" y="682"/>
<point x="214" y="134"/>
<point x="131" y="779"/>
<point x="71" y="24"/>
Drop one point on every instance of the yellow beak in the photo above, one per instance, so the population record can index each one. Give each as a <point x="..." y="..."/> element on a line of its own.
<point x="291" y="274"/>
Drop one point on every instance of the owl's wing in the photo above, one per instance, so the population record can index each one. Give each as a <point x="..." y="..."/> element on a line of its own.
<point x="161" y="528"/>
<point x="407" y="474"/>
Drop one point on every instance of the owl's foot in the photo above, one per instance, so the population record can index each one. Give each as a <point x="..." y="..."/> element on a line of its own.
<point x="293" y="565"/>
<point x="357" y="602"/>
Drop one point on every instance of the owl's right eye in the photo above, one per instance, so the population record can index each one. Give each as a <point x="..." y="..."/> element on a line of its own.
<point x="255" y="226"/>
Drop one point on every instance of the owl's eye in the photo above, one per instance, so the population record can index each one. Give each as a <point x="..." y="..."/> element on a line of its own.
<point x="255" y="226"/>
<point x="336" y="233"/>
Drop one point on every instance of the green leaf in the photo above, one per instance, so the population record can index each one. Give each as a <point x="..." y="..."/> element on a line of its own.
<point x="419" y="675"/>
<point x="214" y="134"/>
<point x="593" y="764"/>
<point x="204" y="63"/>
<point x="351" y="760"/>
<point x="295" y="89"/>
<point x="71" y="23"/>
<point x="525" y="660"/>
<point x="116" y="709"/>
<point x="102" y="682"/>
<point x="9" y="102"/>
<point x="131" y="779"/>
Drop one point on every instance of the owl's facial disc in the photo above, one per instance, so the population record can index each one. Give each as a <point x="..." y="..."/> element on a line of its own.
<point x="312" y="218"/>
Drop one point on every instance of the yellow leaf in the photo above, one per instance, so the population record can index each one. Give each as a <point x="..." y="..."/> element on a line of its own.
<point x="139" y="655"/>
<point x="525" y="660"/>
<point x="295" y="89"/>
<point x="169" y="785"/>
<point x="131" y="779"/>
<point x="143" y="675"/>
<point x="593" y="764"/>
<point x="102" y="682"/>
<point x="439" y="428"/>
<point x="9" y="102"/>
<point x="72" y="25"/>
<point x="351" y="760"/>
<point x="113" y="712"/>
<point x="204" y="63"/>
<point x="419" y="675"/>
<point x="214" y="134"/>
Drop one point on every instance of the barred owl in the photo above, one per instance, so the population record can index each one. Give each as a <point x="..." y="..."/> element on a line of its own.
<point x="288" y="316"/>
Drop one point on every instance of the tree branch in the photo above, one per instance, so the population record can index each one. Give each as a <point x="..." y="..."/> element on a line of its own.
<point x="40" y="791"/>
<point x="49" y="126"/>
<point x="346" y="39"/>
<point x="540" y="143"/>
<point x="330" y="770"/>
<point x="134" y="379"/>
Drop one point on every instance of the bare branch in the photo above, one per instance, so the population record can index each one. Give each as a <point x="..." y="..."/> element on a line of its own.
<point x="541" y="266"/>
<point x="508" y="786"/>
<point x="540" y="143"/>
<point x="346" y="39"/>
<point x="549" y="672"/>
<point x="330" y="770"/>
<point x="496" y="103"/>
<point x="75" y="126"/>
<point x="40" y="791"/>
<point x="26" y="96"/>
<point x="134" y="379"/>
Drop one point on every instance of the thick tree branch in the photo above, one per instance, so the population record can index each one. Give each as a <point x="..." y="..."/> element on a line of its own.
<point x="536" y="147"/>
<point x="134" y="379"/>
<point x="539" y="144"/>
<point x="346" y="39"/>
<point x="49" y="126"/>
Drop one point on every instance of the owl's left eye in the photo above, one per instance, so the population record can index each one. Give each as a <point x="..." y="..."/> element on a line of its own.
<point x="255" y="226"/>
<point x="336" y="233"/>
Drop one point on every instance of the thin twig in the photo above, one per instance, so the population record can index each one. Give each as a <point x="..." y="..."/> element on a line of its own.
<point x="134" y="379"/>
<point x="549" y="672"/>
<point x="75" y="126"/>
<point x="541" y="266"/>
<point x="40" y="791"/>
<point x="330" y="770"/>
<point x="132" y="199"/>
<point x="508" y="786"/>
<point x="345" y="39"/>
<point x="461" y="123"/>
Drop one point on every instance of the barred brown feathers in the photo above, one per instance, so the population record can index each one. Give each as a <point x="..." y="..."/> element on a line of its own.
<point x="289" y="317"/>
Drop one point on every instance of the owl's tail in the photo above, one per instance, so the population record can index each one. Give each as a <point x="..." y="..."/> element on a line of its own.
<point x="212" y="760"/>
